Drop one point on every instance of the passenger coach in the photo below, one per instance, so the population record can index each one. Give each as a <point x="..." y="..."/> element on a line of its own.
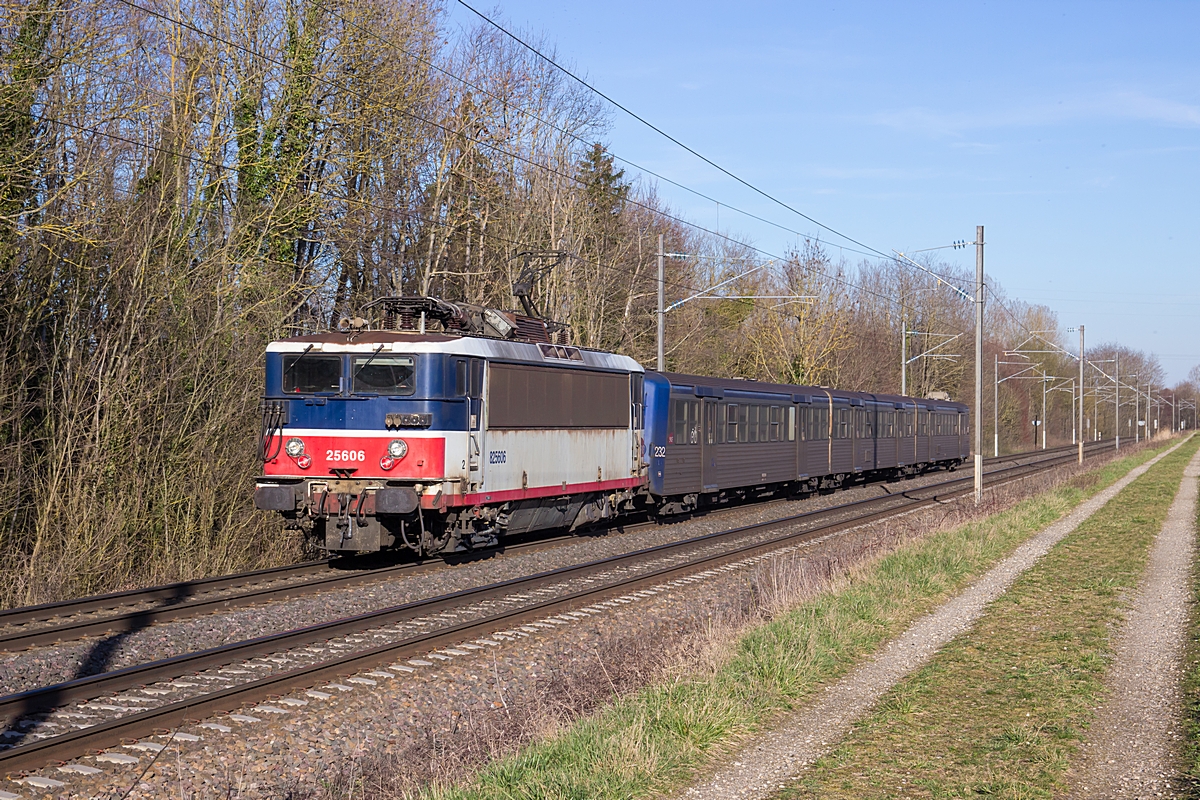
<point x="713" y="440"/>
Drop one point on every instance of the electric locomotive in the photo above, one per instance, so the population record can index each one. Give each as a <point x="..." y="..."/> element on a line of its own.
<point x="442" y="440"/>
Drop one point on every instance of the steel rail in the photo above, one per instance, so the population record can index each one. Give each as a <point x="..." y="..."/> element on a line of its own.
<point x="169" y="591"/>
<point x="32" y="756"/>
<point x="136" y="620"/>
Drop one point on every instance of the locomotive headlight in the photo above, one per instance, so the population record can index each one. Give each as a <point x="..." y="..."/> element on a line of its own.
<point x="294" y="447"/>
<point x="397" y="448"/>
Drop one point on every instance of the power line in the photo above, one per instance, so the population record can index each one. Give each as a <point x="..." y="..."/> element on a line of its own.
<point x="705" y="159"/>
<point x="526" y="112"/>
<point x="496" y="148"/>
<point x="663" y="133"/>
<point x="445" y="129"/>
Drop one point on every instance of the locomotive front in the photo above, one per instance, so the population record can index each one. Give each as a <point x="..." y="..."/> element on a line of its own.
<point x="357" y="428"/>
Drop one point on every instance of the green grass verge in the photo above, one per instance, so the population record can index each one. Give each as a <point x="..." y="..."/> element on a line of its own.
<point x="1000" y="710"/>
<point x="657" y="739"/>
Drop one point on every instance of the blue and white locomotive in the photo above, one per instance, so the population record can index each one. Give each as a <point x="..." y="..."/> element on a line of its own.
<point x="441" y="441"/>
<point x="447" y="440"/>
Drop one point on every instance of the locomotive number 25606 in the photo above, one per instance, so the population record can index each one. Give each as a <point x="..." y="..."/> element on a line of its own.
<point x="345" y="455"/>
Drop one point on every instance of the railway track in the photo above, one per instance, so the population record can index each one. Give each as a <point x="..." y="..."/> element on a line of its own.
<point x="52" y="623"/>
<point x="56" y="723"/>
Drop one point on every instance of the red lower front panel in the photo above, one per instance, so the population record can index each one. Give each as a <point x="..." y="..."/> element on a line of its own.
<point x="425" y="459"/>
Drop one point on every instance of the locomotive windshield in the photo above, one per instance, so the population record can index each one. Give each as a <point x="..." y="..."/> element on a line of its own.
<point x="384" y="374"/>
<point x="308" y="374"/>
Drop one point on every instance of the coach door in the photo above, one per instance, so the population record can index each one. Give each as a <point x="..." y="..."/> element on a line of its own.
<point x="708" y="455"/>
<point x="475" y="427"/>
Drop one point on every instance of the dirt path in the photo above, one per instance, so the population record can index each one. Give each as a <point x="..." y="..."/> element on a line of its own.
<point x="759" y="770"/>
<point x="1129" y="748"/>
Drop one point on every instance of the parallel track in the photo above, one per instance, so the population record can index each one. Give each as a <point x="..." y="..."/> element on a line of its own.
<point x="552" y="592"/>
<point x="193" y="598"/>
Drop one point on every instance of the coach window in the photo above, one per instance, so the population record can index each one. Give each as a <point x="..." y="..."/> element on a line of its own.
<point x="819" y="425"/>
<point x="776" y="421"/>
<point x="720" y="410"/>
<point x="922" y="423"/>
<point x="679" y="421"/>
<point x="751" y="423"/>
<point x="886" y="425"/>
<point x="791" y="423"/>
<point x="710" y="423"/>
<point x="385" y="374"/>
<point x="764" y="423"/>
<point x="841" y="426"/>
<point x="731" y="426"/>
<point x="743" y="424"/>
<point x="693" y="422"/>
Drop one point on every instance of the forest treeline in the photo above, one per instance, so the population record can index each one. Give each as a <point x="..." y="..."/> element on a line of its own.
<point x="182" y="182"/>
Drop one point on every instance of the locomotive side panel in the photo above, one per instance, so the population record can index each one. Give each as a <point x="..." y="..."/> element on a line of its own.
<point x="558" y="430"/>
<point x="540" y="463"/>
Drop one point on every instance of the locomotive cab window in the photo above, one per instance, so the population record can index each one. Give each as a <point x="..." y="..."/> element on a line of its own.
<point x="387" y="374"/>
<point x="309" y="374"/>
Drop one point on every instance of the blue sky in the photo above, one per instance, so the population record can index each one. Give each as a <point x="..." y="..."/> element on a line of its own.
<point x="1070" y="130"/>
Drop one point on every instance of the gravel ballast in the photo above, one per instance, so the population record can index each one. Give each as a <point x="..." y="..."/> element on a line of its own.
<point x="41" y="666"/>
